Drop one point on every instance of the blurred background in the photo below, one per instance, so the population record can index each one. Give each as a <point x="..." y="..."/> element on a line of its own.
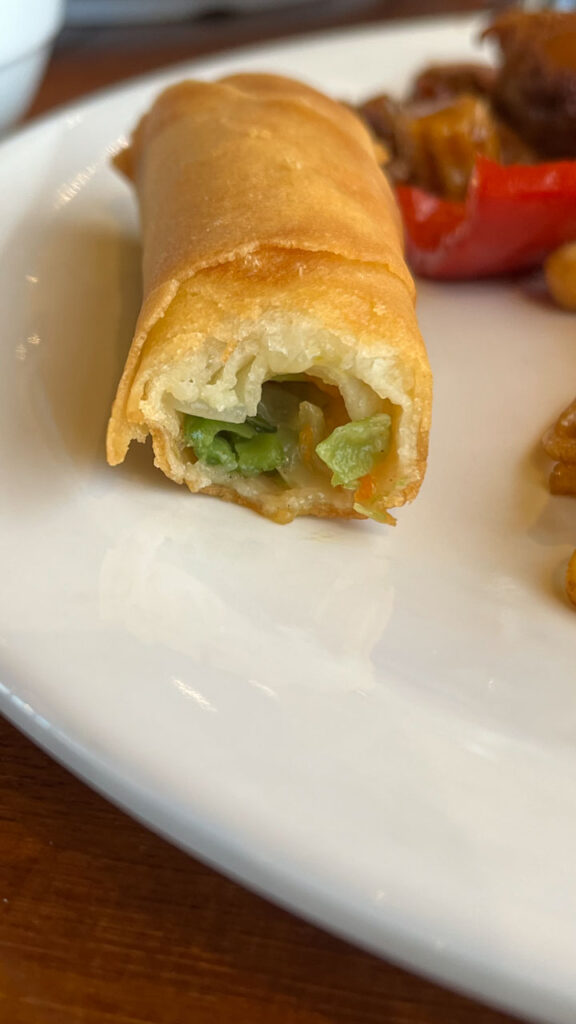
<point x="53" y="51"/>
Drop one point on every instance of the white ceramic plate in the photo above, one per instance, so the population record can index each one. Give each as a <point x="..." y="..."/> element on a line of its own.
<point x="375" y="726"/>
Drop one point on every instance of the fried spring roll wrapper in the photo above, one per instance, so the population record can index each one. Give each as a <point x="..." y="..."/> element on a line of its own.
<point x="272" y="247"/>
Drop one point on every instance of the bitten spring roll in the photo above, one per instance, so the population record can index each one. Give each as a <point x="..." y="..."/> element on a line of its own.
<point x="276" y="361"/>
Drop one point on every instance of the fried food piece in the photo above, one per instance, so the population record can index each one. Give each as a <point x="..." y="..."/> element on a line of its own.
<point x="513" y="149"/>
<point x="559" y="443"/>
<point x="571" y="579"/>
<point x="445" y="81"/>
<point x="560" y="272"/>
<point x="381" y="113"/>
<point x="434" y="144"/>
<point x="384" y="117"/>
<point x="535" y="89"/>
<point x="276" y="360"/>
<point x="563" y="478"/>
<point x="445" y="141"/>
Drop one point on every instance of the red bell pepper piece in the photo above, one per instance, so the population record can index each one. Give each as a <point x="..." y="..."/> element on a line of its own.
<point x="512" y="217"/>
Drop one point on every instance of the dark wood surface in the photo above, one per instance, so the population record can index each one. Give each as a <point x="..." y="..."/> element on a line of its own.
<point x="102" y="922"/>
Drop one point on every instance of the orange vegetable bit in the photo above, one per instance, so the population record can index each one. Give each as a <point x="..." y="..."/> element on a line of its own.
<point x="365" y="488"/>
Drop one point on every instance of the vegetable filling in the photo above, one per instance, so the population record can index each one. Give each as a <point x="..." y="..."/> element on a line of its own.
<point x="301" y="426"/>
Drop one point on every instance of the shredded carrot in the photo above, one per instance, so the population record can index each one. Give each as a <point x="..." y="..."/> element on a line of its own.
<point x="365" y="489"/>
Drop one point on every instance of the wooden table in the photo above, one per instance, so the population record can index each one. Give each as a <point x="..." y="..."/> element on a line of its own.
<point x="101" y="922"/>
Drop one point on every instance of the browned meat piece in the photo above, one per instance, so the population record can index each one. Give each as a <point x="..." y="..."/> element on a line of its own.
<point x="381" y="113"/>
<point x="434" y="145"/>
<point x="445" y="142"/>
<point x="442" y="143"/>
<point x="433" y="139"/>
<point x="513" y="149"/>
<point x="384" y="116"/>
<point x="535" y="89"/>
<point x="443" y="81"/>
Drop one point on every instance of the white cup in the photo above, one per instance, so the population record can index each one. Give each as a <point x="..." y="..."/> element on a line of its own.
<point x="27" y="31"/>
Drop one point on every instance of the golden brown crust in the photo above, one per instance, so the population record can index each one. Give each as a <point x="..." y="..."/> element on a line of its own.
<point x="268" y="162"/>
<point x="323" y="510"/>
<point x="259" y="195"/>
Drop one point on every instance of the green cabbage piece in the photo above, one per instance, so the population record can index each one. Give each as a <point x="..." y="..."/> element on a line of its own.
<point x="351" y="451"/>
<point x="255" y="446"/>
<point x="261" y="445"/>
<point x="260" y="454"/>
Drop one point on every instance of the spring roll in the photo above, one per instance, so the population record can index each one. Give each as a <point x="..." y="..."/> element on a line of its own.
<point x="276" y="361"/>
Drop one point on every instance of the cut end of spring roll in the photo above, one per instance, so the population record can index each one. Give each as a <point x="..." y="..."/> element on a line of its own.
<point x="276" y="360"/>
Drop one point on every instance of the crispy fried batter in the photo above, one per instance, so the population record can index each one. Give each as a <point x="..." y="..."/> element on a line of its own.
<point x="563" y="478"/>
<point x="560" y="272"/>
<point x="560" y="444"/>
<point x="571" y="579"/>
<point x="560" y="441"/>
<point x="271" y="245"/>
